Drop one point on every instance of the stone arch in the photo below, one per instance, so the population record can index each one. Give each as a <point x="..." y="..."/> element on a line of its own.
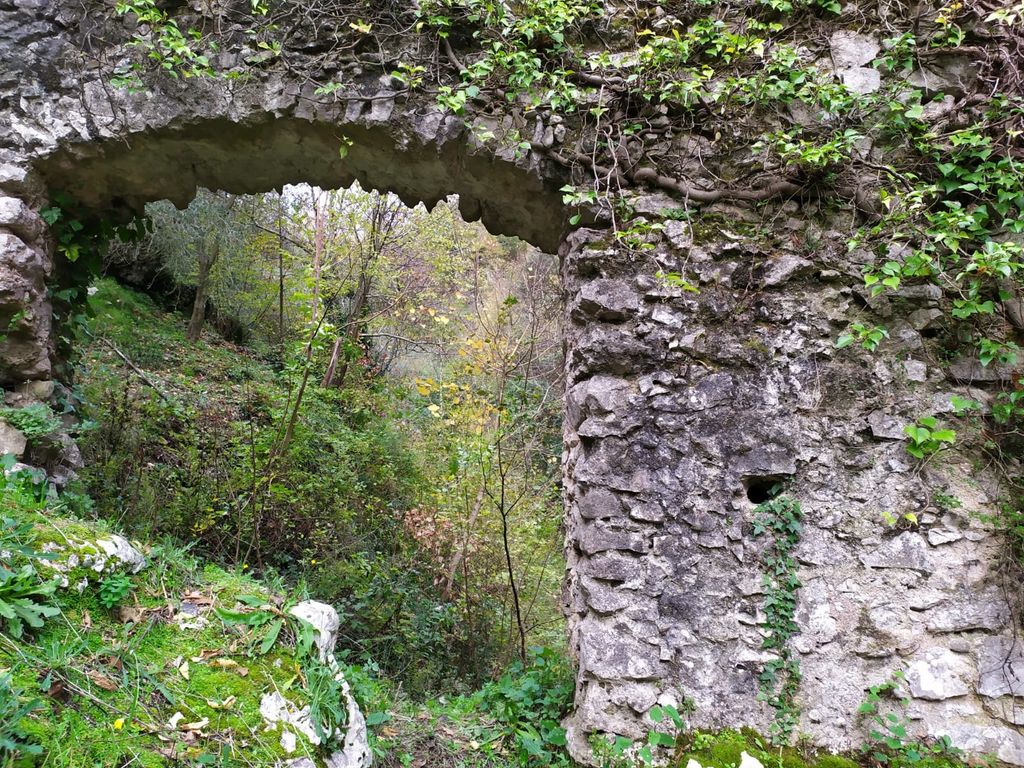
<point x="675" y="400"/>
<point x="422" y="157"/>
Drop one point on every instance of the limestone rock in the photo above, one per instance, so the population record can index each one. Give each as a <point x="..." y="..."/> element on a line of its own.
<point x="939" y="674"/>
<point x="939" y="536"/>
<point x="12" y="441"/>
<point x="119" y="549"/>
<point x="1006" y="743"/>
<point x="610" y="300"/>
<point x="324" y="620"/>
<point x="852" y="49"/>
<point x="985" y="611"/>
<point x="907" y="551"/>
<point x="355" y="749"/>
<point x="275" y="709"/>
<point x="886" y="427"/>
<point x="861" y="80"/>
<point x="1001" y="667"/>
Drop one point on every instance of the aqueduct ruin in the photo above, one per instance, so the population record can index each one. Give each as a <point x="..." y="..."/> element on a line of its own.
<point x="682" y="406"/>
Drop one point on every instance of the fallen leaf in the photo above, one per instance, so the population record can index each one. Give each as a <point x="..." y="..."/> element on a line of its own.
<point x="86" y="621"/>
<point x="102" y="680"/>
<point x="226" y="704"/>
<point x="197" y="726"/>
<point x="183" y="670"/>
<point x="130" y="614"/>
<point x="176" y="718"/>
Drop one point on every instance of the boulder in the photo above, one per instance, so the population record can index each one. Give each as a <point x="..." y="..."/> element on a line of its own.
<point x="119" y="549"/>
<point x="12" y="441"/>
<point x="324" y="620"/>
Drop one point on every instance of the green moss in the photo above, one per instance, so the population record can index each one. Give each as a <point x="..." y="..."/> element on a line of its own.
<point x="110" y="685"/>
<point x="724" y="749"/>
<point x="835" y="761"/>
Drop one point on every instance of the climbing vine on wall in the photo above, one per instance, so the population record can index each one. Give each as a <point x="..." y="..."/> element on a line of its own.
<point x="781" y="518"/>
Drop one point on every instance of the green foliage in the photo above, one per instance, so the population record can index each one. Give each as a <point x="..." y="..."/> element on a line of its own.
<point x="891" y="743"/>
<point x="163" y="43"/>
<point x="616" y="752"/>
<point x="868" y="338"/>
<point x="809" y="154"/>
<point x="114" y="588"/>
<point x="34" y="421"/>
<point x="15" y="740"/>
<point x="522" y="50"/>
<point x="927" y="437"/>
<point x="528" y="702"/>
<point x="726" y="748"/>
<point x="25" y="599"/>
<point x="327" y="707"/>
<point x="781" y="517"/>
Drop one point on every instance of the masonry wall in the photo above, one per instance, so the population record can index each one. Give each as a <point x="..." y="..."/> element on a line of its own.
<point x="682" y="406"/>
<point x="679" y="403"/>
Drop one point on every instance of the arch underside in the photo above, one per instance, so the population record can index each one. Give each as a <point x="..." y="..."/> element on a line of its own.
<point x="122" y="174"/>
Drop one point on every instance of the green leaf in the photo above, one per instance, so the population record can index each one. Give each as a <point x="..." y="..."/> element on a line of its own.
<point x="271" y="636"/>
<point x="377" y="718"/>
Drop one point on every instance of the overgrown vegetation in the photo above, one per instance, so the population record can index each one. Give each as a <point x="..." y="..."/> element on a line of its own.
<point x="781" y="517"/>
<point x="243" y="453"/>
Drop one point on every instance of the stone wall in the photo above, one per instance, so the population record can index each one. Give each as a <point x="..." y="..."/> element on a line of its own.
<point x="682" y="407"/>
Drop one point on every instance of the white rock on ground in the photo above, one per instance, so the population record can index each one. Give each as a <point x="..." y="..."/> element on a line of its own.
<point x="119" y="548"/>
<point x="748" y="761"/>
<point x="275" y="708"/>
<point x="324" y="619"/>
<point x="355" y="751"/>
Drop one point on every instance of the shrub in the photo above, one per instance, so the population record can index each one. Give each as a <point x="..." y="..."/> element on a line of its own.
<point x="528" y="702"/>
<point x="33" y="421"/>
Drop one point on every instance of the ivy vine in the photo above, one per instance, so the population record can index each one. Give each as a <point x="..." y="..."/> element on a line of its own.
<point x="780" y="517"/>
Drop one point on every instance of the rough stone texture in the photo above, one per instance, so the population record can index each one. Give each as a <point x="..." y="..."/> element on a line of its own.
<point x="119" y="549"/>
<point x="12" y="441"/>
<point x="324" y="619"/>
<point x="354" y="747"/>
<point x="677" y="405"/>
<point x="672" y="413"/>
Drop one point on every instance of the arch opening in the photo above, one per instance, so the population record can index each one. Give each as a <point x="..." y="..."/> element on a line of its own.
<point x="434" y="158"/>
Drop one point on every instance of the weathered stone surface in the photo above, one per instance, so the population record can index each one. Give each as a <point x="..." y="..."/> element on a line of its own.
<point x="119" y="549"/>
<point x="984" y="611"/>
<point x="886" y="427"/>
<point x="852" y="49"/>
<point x="939" y="536"/>
<point x="324" y="619"/>
<point x="1001" y="667"/>
<point x="679" y="406"/>
<point x="12" y="441"/>
<point x="907" y="551"/>
<point x="1006" y="743"/>
<point x="939" y="674"/>
<point x="611" y="300"/>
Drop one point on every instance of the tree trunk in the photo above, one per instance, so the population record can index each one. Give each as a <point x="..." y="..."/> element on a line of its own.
<point x="195" y="323"/>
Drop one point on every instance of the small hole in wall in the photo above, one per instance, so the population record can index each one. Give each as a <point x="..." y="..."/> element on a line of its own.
<point x="762" y="489"/>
